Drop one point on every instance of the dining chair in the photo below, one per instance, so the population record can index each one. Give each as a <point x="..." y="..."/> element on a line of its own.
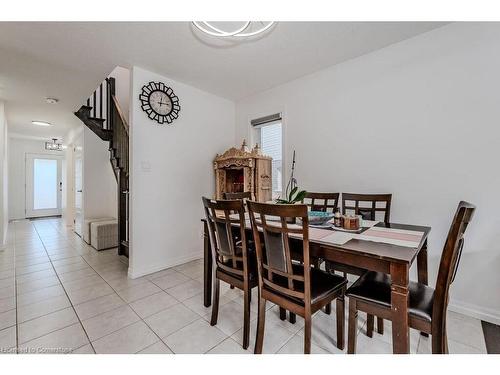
<point x="232" y="260"/>
<point x="371" y="293"/>
<point x="241" y="195"/>
<point x="370" y="207"/>
<point x="325" y="202"/>
<point x="293" y="286"/>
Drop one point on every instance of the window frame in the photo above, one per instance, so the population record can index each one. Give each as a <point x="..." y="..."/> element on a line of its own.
<point x="255" y="135"/>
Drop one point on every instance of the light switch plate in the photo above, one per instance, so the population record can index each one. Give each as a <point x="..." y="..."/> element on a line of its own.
<point x="145" y="166"/>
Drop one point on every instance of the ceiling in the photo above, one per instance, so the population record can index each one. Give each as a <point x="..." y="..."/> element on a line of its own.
<point x="67" y="60"/>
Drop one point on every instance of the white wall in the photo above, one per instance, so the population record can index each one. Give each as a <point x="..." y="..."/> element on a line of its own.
<point x="99" y="183"/>
<point x="18" y="148"/>
<point x="419" y="119"/>
<point x="171" y="168"/>
<point x="4" y="215"/>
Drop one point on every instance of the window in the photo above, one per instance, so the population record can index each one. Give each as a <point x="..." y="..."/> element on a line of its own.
<point x="269" y="135"/>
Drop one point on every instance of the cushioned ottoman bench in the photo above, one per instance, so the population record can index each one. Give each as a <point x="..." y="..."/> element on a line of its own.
<point x="86" y="226"/>
<point x="104" y="234"/>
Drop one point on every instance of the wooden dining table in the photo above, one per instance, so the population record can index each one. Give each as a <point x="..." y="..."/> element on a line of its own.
<point x="395" y="260"/>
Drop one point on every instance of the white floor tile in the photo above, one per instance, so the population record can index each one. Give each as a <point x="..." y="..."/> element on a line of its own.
<point x="230" y="318"/>
<point x="38" y="327"/>
<point x="86" y="349"/>
<point x="139" y="291"/>
<point x="170" y="320"/>
<point x="157" y="348"/>
<point x="89" y="293"/>
<point x="186" y="290"/>
<point x="40" y="295"/>
<point x="130" y="339"/>
<point x="172" y="279"/>
<point x="229" y="346"/>
<point x="47" y="306"/>
<point x="275" y="336"/>
<point x="7" y="319"/>
<point x="7" y="339"/>
<point x="196" y="338"/>
<point x="296" y="346"/>
<point x="59" y="342"/>
<point x="150" y="305"/>
<point x="109" y="322"/>
<point x="7" y="304"/>
<point x="98" y="306"/>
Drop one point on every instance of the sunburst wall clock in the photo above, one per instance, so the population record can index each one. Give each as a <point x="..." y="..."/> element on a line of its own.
<point x="159" y="102"/>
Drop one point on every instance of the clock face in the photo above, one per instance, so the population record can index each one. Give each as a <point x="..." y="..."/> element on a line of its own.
<point x="159" y="102"/>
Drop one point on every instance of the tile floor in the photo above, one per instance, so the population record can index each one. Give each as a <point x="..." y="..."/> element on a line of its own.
<point x="58" y="295"/>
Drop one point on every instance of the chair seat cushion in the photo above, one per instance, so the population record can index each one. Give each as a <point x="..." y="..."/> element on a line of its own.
<point x="375" y="287"/>
<point x="322" y="283"/>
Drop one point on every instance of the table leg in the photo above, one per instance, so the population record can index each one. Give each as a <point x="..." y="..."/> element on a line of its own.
<point x="422" y="265"/>
<point x="399" y="306"/>
<point x="207" y="268"/>
<point x="422" y="270"/>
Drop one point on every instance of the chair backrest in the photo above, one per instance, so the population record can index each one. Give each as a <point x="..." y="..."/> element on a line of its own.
<point x="224" y="219"/>
<point x="367" y="205"/>
<point x="326" y="202"/>
<point x="450" y="259"/>
<point x="241" y="195"/>
<point x="277" y="272"/>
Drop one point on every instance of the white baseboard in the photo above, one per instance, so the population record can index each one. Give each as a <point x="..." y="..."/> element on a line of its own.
<point x="488" y="315"/>
<point x="135" y="273"/>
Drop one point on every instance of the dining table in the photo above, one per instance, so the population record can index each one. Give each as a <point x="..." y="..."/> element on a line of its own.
<point x="368" y="250"/>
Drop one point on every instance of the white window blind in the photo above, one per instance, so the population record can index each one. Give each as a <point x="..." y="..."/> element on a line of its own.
<point x="270" y="136"/>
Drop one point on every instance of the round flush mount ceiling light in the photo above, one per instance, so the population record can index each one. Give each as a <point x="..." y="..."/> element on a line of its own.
<point x="51" y="100"/>
<point x="243" y="30"/>
<point x="41" y="123"/>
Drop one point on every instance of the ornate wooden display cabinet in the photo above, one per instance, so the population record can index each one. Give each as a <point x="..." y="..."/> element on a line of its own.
<point x="239" y="170"/>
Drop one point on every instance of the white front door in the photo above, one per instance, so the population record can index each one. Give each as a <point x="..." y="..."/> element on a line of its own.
<point x="78" y="191"/>
<point x="43" y="185"/>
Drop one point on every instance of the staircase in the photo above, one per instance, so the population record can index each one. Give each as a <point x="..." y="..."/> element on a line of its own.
<point x="103" y="116"/>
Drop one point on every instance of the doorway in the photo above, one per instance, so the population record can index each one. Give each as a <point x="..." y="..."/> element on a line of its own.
<point x="43" y="185"/>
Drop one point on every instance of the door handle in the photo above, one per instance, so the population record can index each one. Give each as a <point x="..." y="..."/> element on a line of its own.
<point x="79" y="191"/>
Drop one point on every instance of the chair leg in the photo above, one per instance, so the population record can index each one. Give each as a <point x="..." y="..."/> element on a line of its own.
<point x="353" y="327"/>
<point x="215" y="302"/>
<point x="246" y="318"/>
<point x="380" y="325"/>
<point x="282" y="313"/>
<point x="328" y="309"/>
<point x="261" y="320"/>
<point x="340" y="322"/>
<point x="369" y="325"/>
<point x="307" y="334"/>
<point x="293" y="318"/>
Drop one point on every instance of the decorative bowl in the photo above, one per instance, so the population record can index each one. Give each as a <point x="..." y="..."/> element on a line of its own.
<point x="319" y="217"/>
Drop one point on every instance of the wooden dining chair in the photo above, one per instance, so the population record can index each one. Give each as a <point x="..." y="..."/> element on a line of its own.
<point x="232" y="261"/>
<point x="371" y="293"/>
<point x="292" y="285"/>
<point x="241" y="195"/>
<point x="325" y="202"/>
<point x="370" y="207"/>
